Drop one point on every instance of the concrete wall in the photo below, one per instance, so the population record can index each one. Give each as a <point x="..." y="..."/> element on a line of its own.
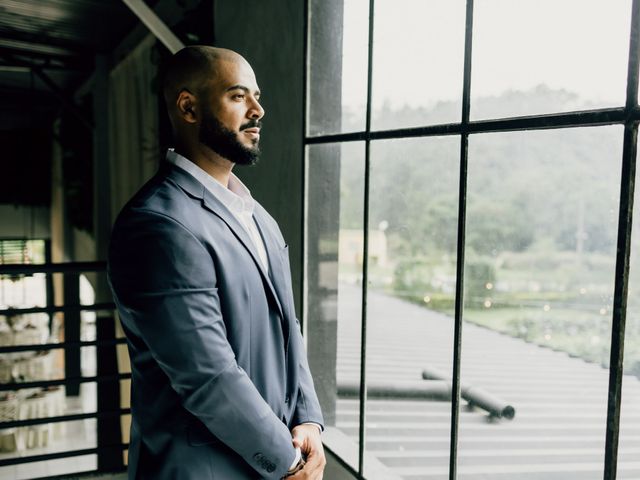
<point x="269" y="34"/>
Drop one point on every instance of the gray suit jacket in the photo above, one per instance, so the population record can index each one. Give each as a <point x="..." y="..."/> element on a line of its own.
<point x="219" y="370"/>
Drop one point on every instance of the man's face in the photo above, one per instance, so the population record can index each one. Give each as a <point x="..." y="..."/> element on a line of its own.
<point x="230" y="123"/>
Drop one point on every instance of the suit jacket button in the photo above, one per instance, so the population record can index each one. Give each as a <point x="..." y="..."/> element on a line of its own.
<point x="287" y="399"/>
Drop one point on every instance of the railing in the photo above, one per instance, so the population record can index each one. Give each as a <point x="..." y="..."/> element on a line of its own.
<point x="109" y="448"/>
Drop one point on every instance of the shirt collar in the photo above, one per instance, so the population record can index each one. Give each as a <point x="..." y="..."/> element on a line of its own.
<point x="236" y="197"/>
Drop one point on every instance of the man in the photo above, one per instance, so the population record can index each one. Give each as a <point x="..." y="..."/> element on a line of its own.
<point x="221" y="387"/>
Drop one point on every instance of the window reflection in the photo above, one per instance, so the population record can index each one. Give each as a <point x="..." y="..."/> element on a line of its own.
<point x="334" y="256"/>
<point x="337" y="66"/>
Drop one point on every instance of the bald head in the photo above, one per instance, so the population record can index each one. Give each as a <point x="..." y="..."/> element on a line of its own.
<point x="193" y="69"/>
<point x="213" y="101"/>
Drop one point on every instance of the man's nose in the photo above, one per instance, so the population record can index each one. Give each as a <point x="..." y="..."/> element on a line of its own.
<point x="256" y="112"/>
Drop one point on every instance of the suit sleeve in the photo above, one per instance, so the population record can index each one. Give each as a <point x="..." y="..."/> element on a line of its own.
<point x="307" y="405"/>
<point x="164" y="281"/>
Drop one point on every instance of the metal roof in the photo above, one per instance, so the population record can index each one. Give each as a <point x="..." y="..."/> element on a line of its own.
<point x="561" y="402"/>
<point x="47" y="51"/>
<point x="60" y="35"/>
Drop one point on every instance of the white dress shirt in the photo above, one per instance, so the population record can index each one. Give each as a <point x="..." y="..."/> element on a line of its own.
<point x="236" y="197"/>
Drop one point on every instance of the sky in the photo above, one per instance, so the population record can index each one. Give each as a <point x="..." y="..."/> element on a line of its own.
<point x="578" y="45"/>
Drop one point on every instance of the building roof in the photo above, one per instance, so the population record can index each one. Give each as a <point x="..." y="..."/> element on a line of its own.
<point x="561" y="402"/>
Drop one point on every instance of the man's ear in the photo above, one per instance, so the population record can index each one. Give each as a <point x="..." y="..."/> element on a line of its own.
<point x="187" y="106"/>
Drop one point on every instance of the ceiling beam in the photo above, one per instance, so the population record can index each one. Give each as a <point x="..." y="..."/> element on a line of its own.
<point x="155" y="25"/>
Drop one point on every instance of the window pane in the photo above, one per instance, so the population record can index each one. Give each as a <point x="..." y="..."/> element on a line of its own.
<point x="546" y="56"/>
<point x="338" y="45"/>
<point x="540" y="258"/>
<point x="334" y="280"/>
<point x="418" y="62"/>
<point x="629" y="441"/>
<point x="412" y="265"/>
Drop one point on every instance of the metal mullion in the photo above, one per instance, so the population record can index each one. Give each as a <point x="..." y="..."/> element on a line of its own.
<point x="365" y="250"/>
<point x="634" y="59"/>
<point x="53" y="346"/>
<point x="53" y="456"/>
<point x="336" y="138"/>
<point x="63" y="418"/>
<point x="625" y="217"/>
<point x="586" y="118"/>
<point x="56" y="309"/>
<point x="462" y="206"/>
<point x="303" y="226"/>
<point x="63" y="381"/>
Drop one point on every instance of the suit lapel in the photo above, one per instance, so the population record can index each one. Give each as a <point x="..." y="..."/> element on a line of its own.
<point x="215" y="206"/>
<point x="276" y="267"/>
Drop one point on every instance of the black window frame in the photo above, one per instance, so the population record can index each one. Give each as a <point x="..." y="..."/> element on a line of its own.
<point x="628" y="116"/>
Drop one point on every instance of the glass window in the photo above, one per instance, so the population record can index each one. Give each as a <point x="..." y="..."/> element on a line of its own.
<point x="412" y="276"/>
<point x="541" y="228"/>
<point x="539" y="269"/>
<point x="545" y="56"/>
<point x="418" y="62"/>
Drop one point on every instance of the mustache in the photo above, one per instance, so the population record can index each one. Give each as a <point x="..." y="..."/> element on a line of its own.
<point x="251" y="124"/>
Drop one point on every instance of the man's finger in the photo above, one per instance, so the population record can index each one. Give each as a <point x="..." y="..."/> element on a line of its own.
<point x="315" y="465"/>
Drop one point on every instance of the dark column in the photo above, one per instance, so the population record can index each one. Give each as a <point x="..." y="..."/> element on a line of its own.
<point x="323" y="196"/>
<point x="271" y="36"/>
<point x="322" y="273"/>
<point x="72" y="367"/>
<point x="109" y="432"/>
<point x="50" y="300"/>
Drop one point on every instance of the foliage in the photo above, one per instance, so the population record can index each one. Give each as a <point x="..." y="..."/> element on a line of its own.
<point x="479" y="276"/>
<point x="541" y="224"/>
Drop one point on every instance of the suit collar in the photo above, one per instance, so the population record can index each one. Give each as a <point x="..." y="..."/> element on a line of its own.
<point x="209" y="201"/>
<point x="184" y="180"/>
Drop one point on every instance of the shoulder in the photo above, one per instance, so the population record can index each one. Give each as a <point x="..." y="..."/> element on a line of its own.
<point x="164" y="195"/>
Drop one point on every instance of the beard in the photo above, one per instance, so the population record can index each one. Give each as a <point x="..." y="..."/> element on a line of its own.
<point x="225" y="142"/>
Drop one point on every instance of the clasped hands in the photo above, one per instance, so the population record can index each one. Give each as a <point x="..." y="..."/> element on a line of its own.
<point x="306" y="437"/>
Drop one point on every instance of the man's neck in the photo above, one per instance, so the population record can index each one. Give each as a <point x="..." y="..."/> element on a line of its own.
<point x="209" y="161"/>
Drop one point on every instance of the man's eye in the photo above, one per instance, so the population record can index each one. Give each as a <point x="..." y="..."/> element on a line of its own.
<point x="238" y="96"/>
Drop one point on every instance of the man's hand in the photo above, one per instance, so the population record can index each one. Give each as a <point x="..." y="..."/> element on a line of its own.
<point x="307" y="438"/>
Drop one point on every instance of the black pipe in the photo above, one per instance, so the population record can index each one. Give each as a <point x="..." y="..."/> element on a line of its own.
<point x="408" y="390"/>
<point x="476" y="396"/>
